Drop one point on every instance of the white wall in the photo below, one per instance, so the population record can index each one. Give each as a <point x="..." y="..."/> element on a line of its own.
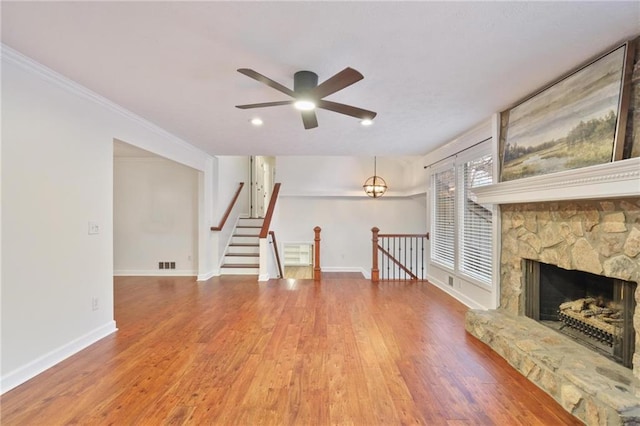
<point x="231" y="171"/>
<point x="344" y="176"/>
<point x="57" y="175"/>
<point x="327" y="192"/>
<point x="346" y="225"/>
<point x="155" y="215"/>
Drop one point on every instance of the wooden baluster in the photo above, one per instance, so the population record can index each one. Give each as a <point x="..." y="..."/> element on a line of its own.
<point x="317" y="272"/>
<point x="375" y="273"/>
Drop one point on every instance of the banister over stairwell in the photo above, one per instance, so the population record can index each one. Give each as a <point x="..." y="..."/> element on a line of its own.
<point x="275" y="251"/>
<point x="264" y="232"/>
<point x="317" y="272"/>
<point x="401" y="255"/>
<point x="229" y="209"/>
<point x="272" y="205"/>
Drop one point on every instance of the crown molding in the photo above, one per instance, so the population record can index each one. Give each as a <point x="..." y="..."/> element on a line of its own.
<point x="70" y="86"/>
<point x="610" y="180"/>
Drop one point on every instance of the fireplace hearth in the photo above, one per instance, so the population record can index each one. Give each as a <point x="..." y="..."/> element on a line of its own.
<point x="599" y="237"/>
<point x="594" y="310"/>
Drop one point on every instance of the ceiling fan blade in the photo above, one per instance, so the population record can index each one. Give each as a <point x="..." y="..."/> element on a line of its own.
<point x="266" y="80"/>
<point x="347" y="110"/>
<point x="309" y="119"/>
<point x="265" y="104"/>
<point x="343" y="79"/>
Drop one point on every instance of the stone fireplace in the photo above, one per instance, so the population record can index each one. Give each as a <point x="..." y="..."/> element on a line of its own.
<point x="598" y="237"/>
<point x="594" y="310"/>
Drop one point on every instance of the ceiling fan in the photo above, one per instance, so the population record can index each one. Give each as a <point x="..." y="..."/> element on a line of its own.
<point x="308" y="95"/>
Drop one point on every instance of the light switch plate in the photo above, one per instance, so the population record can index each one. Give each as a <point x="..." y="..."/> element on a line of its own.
<point x="94" y="228"/>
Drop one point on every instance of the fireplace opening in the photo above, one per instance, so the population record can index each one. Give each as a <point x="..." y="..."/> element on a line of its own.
<point x="594" y="310"/>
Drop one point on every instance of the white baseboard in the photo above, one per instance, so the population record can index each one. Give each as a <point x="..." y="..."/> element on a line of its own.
<point x="358" y="269"/>
<point x="455" y="294"/>
<point x="28" y="371"/>
<point x="154" y="273"/>
<point x="210" y="274"/>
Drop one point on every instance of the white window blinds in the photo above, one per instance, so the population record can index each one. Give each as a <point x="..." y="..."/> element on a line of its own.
<point x="443" y="218"/>
<point x="462" y="230"/>
<point x="475" y="243"/>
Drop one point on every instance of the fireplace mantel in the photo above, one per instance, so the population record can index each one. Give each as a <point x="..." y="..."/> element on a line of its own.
<point x="611" y="180"/>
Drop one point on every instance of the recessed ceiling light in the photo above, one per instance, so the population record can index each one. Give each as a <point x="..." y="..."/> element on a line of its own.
<point x="366" y="122"/>
<point x="256" y="121"/>
<point x="304" y="105"/>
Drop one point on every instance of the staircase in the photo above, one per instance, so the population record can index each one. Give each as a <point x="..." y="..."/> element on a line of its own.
<point x="243" y="253"/>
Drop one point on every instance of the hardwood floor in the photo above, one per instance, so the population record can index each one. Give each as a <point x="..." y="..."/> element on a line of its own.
<point x="298" y="272"/>
<point x="237" y="352"/>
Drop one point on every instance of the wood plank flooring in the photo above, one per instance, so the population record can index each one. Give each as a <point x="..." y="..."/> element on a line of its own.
<point x="298" y="272"/>
<point x="233" y="351"/>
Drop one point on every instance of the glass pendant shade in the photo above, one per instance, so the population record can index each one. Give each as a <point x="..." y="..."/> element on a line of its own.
<point x="375" y="186"/>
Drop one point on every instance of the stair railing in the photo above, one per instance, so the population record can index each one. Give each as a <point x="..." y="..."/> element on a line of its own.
<point x="229" y="209"/>
<point x="275" y="251"/>
<point x="317" y="272"/>
<point x="264" y="232"/>
<point x="398" y="256"/>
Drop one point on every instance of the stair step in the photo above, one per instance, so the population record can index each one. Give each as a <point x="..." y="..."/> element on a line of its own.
<point x="242" y="259"/>
<point x="243" y="253"/>
<point x="240" y="269"/>
<point x="243" y="249"/>
<point x="250" y="222"/>
<point x="248" y="230"/>
<point x="245" y="239"/>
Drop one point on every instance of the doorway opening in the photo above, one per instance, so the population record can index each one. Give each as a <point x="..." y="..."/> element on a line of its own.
<point x="263" y="171"/>
<point x="298" y="260"/>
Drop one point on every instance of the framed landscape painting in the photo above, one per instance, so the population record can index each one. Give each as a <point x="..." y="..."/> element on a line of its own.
<point x="571" y="124"/>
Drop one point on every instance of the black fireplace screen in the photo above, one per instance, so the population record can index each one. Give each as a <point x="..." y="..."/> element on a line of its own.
<point x="594" y="310"/>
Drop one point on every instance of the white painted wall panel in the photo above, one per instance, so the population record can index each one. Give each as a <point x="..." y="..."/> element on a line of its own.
<point x="344" y="176"/>
<point x="57" y="176"/>
<point x="155" y="217"/>
<point x="346" y="224"/>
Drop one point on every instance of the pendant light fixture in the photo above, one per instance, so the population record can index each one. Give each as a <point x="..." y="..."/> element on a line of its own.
<point x="375" y="186"/>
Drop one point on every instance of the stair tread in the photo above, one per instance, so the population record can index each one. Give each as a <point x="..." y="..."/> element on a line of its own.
<point x="244" y="245"/>
<point x="249" y="226"/>
<point x="243" y="254"/>
<point x="240" y="265"/>
<point x="245" y="235"/>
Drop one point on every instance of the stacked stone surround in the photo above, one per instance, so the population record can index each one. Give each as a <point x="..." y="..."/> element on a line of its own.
<point x="600" y="237"/>
<point x="633" y="117"/>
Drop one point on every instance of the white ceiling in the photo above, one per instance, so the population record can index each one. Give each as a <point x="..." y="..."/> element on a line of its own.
<point x="432" y="69"/>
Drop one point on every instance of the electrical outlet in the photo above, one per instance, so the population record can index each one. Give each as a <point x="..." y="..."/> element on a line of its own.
<point x="173" y="265"/>
<point x="167" y="265"/>
<point x="94" y="304"/>
<point x="160" y="265"/>
<point x="451" y="281"/>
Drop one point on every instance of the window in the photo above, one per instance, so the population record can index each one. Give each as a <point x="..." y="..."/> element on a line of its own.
<point x="475" y="221"/>
<point x="442" y="238"/>
<point x="462" y="229"/>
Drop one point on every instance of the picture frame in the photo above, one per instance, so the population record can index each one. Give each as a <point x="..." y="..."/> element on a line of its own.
<point x="577" y="121"/>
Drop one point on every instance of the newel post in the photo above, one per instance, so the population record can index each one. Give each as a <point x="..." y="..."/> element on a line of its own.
<point x="375" y="273"/>
<point x="316" y="263"/>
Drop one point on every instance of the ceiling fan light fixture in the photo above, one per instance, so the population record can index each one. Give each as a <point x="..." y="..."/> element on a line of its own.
<point x="256" y="121"/>
<point x="304" y="105"/>
<point x="308" y="95"/>
<point x="366" y="122"/>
